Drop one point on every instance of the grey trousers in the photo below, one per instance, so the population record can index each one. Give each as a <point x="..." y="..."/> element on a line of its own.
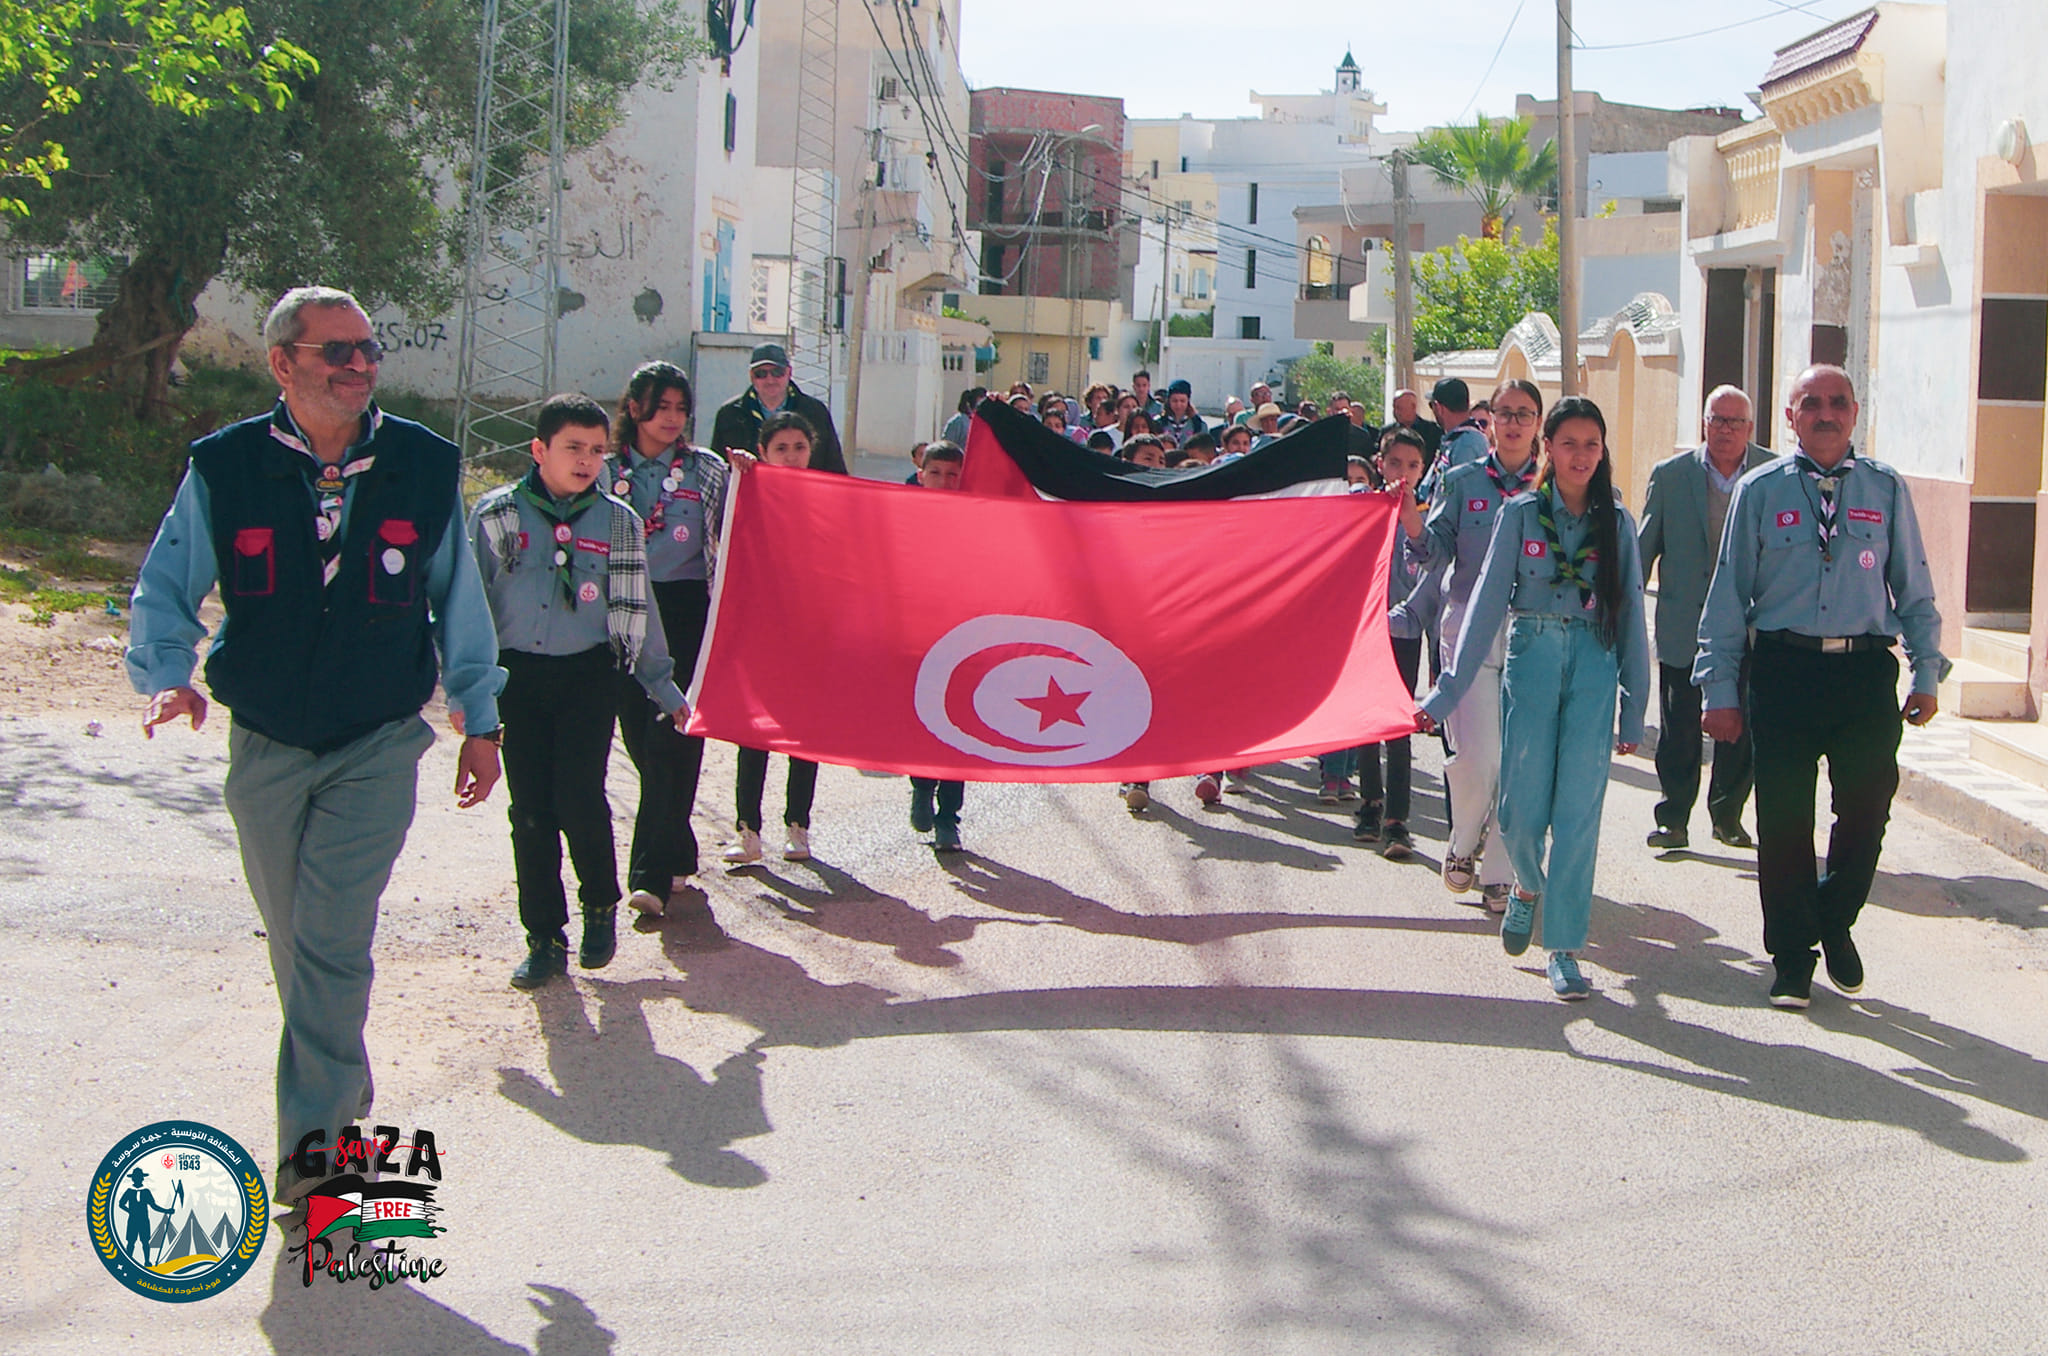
<point x="319" y="835"/>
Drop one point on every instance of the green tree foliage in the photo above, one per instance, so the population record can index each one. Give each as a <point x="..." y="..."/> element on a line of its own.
<point x="347" y="184"/>
<point x="1491" y="161"/>
<point x="183" y="57"/>
<point x="1317" y="374"/>
<point x="1469" y="294"/>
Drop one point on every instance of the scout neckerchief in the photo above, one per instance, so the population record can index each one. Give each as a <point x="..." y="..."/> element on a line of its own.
<point x="1827" y="482"/>
<point x="1568" y="567"/>
<point x="559" y="514"/>
<point x="1509" y="483"/>
<point x="329" y="480"/>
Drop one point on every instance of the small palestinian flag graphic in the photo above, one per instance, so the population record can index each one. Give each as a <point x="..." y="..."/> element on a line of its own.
<point x="372" y="1209"/>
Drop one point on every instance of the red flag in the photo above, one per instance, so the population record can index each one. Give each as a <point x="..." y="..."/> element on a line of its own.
<point x="948" y="635"/>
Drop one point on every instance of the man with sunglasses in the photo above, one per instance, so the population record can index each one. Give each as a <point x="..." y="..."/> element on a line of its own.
<point x="771" y="390"/>
<point x="1683" y="514"/>
<point x="336" y="535"/>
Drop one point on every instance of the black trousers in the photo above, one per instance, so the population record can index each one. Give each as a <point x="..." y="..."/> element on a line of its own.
<point x="1678" y="758"/>
<point x="1394" y="797"/>
<point x="557" y="714"/>
<point x="947" y="798"/>
<point x="1805" y="706"/>
<point x="751" y="779"/>
<point x="664" y="844"/>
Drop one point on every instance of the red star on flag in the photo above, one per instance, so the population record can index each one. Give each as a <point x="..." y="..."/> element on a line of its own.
<point x="1056" y="706"/>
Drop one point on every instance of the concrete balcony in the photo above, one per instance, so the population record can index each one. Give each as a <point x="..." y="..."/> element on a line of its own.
<point x="1749" y="160"/>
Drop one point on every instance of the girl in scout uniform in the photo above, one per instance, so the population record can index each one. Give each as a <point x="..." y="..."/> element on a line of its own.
<point x="1562" y="573"/>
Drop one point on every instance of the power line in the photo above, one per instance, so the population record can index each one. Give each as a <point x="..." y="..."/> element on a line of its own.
<point x="1781" y="11"/>
<point x="1476" y="89"/>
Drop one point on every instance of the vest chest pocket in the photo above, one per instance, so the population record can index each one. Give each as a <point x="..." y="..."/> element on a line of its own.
<point x="255" y="564"/>
<point x="395" y="564"/>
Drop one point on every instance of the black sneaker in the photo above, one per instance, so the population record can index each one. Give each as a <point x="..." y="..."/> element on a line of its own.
<point x="1793" y="987"/>
<point x="1397" y="845"/>
<point x="546" y="957"/>
<point x="921" y="811"/>
<point x="1845" y="966"/>
<point x="1669" y="840"/>
<point x="1365" y="822"/>
<point x="947" y="838"/>
<point x="600" y="936"/>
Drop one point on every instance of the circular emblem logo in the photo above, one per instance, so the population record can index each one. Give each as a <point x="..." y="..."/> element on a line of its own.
<point x="1032" y="692"/>
<point x="588" y="593"/>
<point x="1868" y="560"/>
<point x="177" y="1211"/>
<point x="562" y="532"/>
<point x="394" y="560"/>
<point x="682" y="533"/>
<point x="621" y="488"/>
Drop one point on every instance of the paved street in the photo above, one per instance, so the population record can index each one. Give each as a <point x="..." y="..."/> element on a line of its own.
<point x="1216" y="1082"/>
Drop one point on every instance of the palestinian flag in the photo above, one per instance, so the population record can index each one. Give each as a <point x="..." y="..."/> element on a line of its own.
<point x="372" y="1209"/>
<point x="1014" y="456"/>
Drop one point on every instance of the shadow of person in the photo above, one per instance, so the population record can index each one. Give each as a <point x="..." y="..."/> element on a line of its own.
<point x="842" y="906"/>
<point x="1215" y="840"/>
<point x="1028" y="898"/>
<point x="672" y="1108"/>
<point x="1665" y="954"/>
<point x="571" y="1327"/>
<point x="2016" y="903"/>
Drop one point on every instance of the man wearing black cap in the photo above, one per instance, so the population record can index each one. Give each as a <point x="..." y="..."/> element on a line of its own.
<point x="1451" y="401"/>
<point x="773" y="392"/>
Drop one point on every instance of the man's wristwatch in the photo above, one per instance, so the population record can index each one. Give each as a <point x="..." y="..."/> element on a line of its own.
<point x="496" y="736"/>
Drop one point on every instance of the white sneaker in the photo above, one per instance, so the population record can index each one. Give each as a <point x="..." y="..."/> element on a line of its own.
<point x="646" y="902"/>
<point x="798" y="846"/>
<point x="748" y="850"/>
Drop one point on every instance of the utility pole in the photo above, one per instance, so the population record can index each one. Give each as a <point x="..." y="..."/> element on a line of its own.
<point x="857" y="324"/>
<point x="1404" y="280"/>
<point x="1073" y="221"/>
<point x="1165" y="271"/>
<point x="1567" y="210"/>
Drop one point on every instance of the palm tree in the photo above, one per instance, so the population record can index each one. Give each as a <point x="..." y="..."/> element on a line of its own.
<point x="1491" y="161"/>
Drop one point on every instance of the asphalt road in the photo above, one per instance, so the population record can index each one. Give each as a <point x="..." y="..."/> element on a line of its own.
<point x="1198" y="1082"/>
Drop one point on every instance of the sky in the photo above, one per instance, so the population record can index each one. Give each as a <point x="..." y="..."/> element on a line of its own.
<point x="1168" y="57"/>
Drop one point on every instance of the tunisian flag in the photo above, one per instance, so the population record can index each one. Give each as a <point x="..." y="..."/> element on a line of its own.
<point x="952" y="635"/>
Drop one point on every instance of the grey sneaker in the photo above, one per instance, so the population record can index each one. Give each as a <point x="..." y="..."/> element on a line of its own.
<point x="1517" y="924"/>
<point x="1496" y="897"/>
<point x="1565" y="980"/>
<point x="1459" y="874"/>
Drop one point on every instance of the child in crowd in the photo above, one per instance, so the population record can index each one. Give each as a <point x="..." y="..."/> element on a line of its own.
<point x="1200" y="449"/>
<point x="1383" y="814"/>
<point x="935" y="805"/>
<point x="1146" y="449"/>
<point x="916" y="463"/>
<point x="1103" y="440"/>
<point x="787" y="440"/>
<point x="565" y="567"/>
<point x="1563" y="574"/>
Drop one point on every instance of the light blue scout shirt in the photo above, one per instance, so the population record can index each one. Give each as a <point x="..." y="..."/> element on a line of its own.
<point x="1460" y="524"/>
<point x="1520" y="574"/>
<point x="164" y="630"/>
<point x="526" y="598"/>
<point x="1772" y="576"/>
<point x="1460" y="446"/>
<point x="681" y="508"/>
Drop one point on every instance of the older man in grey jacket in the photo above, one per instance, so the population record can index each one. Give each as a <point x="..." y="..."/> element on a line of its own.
<point x="1683" y="515"/>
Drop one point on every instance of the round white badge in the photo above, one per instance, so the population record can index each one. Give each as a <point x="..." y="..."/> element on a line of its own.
<point x="621" y="488"/>
<point x="393" y="560"/>
<point x="562" y="532"/>
<point x="682" y="533"/>
<point x="561" y="557"/>
<point x="1032" y="692"/>
<point x="588" y="593"/>
<point x="1868" y="560"/>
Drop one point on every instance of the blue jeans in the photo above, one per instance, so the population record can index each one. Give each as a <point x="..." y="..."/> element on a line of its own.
<point x="1557" y="692"/>
<point x="1337" y="766"/>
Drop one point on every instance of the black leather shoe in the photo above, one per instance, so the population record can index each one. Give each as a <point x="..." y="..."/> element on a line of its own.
<point x="1669" y="840"/>
<point x="1733" y="835"/>
<point x="546" y="957"/>
<point x="600" y="936"/>
<point x="922" y="812"/>
<point x="1793" y="988"/>
<point x="1845" y="965"/>
<point x="946" y="838"/>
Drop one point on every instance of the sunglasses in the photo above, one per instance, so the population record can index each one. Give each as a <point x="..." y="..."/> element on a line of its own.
<point x="766" y="371"/>
<point x="337" y="352"/>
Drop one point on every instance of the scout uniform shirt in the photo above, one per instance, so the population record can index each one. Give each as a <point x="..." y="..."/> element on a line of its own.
<point x="538" y="611"/>
<point x="1787" y="564"/>
<point x="680" y="497"/>
<point x="1521" y="575"/>
<point x="1459" y="526"/>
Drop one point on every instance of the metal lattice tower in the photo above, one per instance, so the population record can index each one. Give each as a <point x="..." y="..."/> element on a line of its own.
<point x="511" y="280"/>
<point x="814" y="206"/>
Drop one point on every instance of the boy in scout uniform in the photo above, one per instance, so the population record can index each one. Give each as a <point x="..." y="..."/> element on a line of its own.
<point x="565" y="567"/>
<point x="1822" y="564"/>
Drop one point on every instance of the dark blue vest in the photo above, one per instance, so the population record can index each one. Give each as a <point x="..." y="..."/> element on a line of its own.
<point x="306" y="664"/>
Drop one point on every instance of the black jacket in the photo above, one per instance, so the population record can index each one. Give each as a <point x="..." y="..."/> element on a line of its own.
<point x="739" y="425"/>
